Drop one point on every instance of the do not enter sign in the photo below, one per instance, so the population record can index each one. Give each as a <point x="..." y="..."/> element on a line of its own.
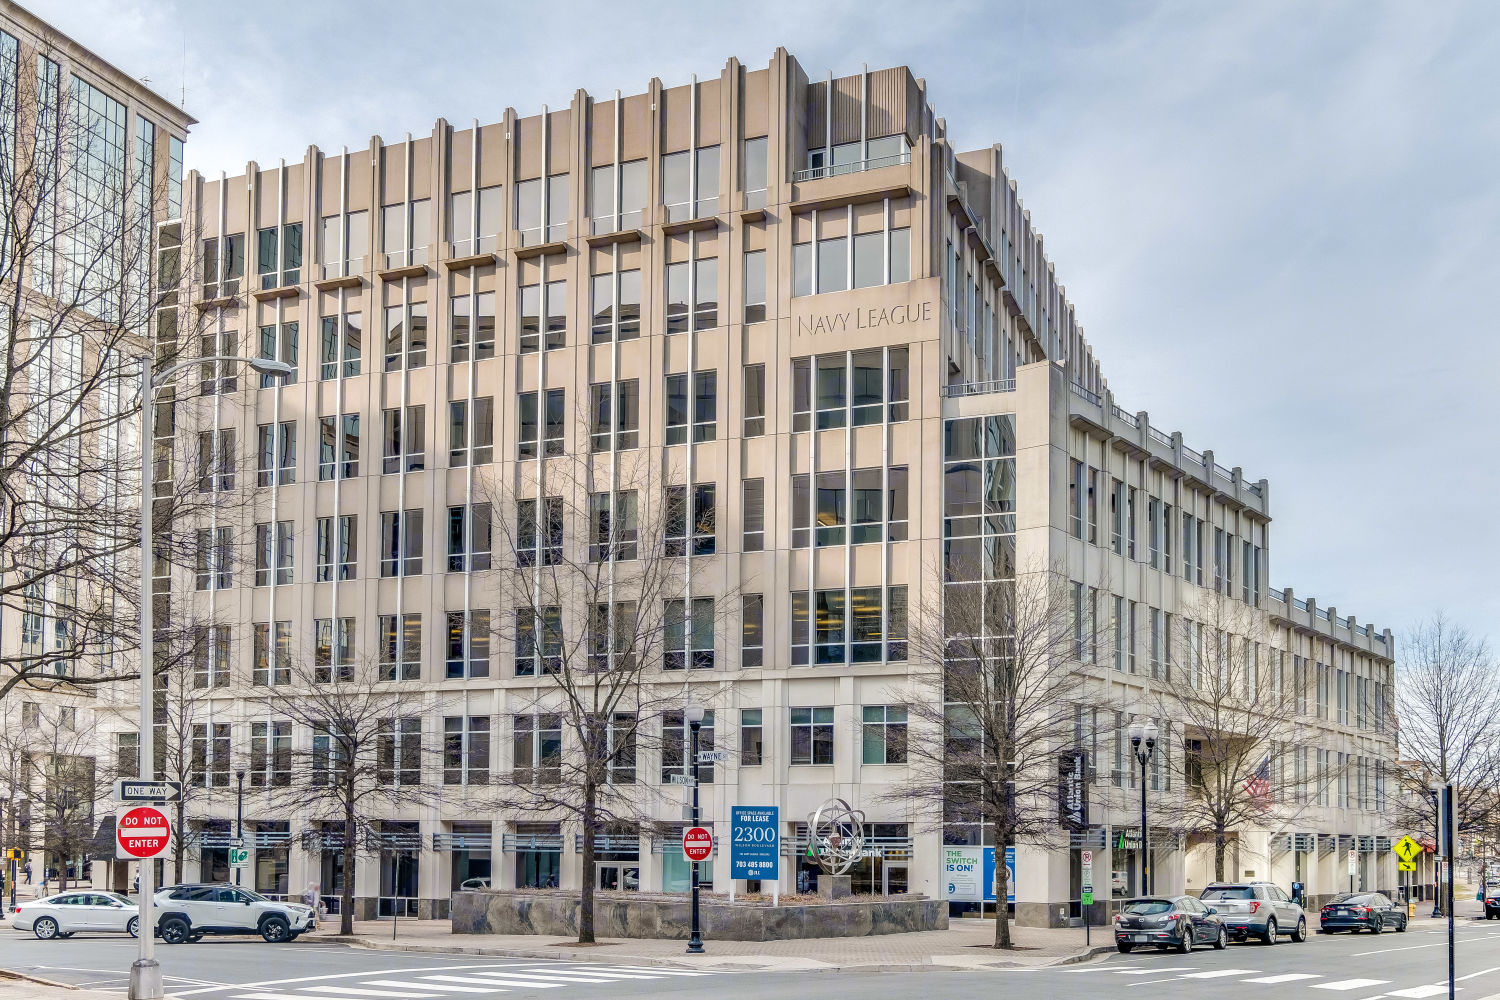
<point x="141" y="832"/>
<point x="697" y="843"/>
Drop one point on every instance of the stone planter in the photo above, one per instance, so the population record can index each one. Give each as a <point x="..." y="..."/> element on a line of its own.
<point x="623" y="916"/>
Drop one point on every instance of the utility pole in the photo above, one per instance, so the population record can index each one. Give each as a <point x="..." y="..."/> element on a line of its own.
<point x="1445" y="814"/>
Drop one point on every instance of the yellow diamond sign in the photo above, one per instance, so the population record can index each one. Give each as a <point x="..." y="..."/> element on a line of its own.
<point x="1406" y="849"/>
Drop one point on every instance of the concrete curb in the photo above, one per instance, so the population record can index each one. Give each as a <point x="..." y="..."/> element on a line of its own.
<point x="591" y="956"/>
<point x="13" y="974"/>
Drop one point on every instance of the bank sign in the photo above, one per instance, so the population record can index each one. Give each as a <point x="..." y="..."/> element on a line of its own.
<point x="969" y="874"/>
<point x="754" y="842"/>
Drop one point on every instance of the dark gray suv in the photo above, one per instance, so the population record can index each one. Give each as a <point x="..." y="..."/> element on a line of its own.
<point x="1256" y="909"/>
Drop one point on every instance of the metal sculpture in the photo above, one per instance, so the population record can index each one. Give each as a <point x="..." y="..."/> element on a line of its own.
<point x="836" y="836"/>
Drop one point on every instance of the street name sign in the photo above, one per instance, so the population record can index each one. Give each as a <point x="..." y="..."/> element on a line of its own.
<point x="141" y="832"/>
<point x="141" y="790"/>
<point x="754" y="842"/>
<point x="697" y="843"/>
<point x="679" y="779"/>
<point x="713" y="756"/>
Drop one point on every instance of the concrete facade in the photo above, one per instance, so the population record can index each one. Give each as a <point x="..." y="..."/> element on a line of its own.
<point x="817" y="245"/>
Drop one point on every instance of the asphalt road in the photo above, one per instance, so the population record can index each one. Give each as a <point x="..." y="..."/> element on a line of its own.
<point x="1409" y="966"/>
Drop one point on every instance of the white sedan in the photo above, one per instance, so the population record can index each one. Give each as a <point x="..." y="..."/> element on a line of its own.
<point x="67" y="913"/>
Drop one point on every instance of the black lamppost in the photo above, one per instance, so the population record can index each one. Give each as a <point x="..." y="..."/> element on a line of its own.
<point x="1437" y="862"/>
<point x="1143" y="744"/>
<point x="694" y="716"/>
<point x="239" y="817"/>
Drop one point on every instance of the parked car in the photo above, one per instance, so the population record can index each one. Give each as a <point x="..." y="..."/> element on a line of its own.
<point x="1363" y="911"/>
<point x="475" y="883"/>
<point x="66" y="913"/>
<point x="190" y="911"/>
<point x="1492" y="903"/>
<point x="1169" y="922"/>
<point x="1119" y="883"/>
<point x="1256" y="909"/>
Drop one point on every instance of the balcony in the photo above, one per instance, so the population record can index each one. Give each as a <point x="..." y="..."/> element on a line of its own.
<point x="961" y="389"/>
<point x="856" y="167"/>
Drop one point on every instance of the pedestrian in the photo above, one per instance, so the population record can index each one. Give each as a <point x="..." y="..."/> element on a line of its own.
<point x="28" y="873"/>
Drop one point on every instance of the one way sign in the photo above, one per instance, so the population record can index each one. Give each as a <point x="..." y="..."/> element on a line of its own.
<point x="141" y="790"/>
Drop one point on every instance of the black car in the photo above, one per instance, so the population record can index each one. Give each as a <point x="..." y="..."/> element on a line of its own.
<point x="1492" y="904"/>
<point x="1168" y="922"/>
<point x="1363" y="911"/>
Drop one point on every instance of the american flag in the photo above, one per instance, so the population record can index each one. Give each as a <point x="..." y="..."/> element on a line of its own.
<point x="1258" y="785"/>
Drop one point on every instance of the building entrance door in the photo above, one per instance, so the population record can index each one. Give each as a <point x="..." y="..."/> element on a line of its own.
<point x="893" y="881"/>
<point x="617" y="875"/>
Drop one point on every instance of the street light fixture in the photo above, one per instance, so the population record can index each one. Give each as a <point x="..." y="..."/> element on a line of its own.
<point x="145" y="972"/>
<point x="693" y="713"/>
<point x="1143" y="745"/>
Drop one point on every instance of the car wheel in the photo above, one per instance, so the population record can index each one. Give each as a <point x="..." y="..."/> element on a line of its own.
<point x="1377" y="925"/>
<point x="45" y="928"/>
<point x="1222" y="941"/>
<point x="1124" y="948"/>
<point x="1186" y="944"/>
<point x="1269" y="937"/>
<point x="1402" y="928"/>
<point x="1300" y="933"/>
<point x="175" y="930"/>
<point x="274" y="929"/>
<point x="134" y="927"/>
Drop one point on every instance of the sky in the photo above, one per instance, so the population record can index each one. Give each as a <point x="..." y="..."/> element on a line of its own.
<point x="1278" y="221"/>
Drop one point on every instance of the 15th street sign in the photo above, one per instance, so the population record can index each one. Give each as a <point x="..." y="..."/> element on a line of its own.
<point x="141" y="790"/>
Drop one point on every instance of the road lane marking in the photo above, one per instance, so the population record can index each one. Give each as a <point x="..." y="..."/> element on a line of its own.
<point x="346" y="975"/>
<point x="1481" y="972"/>
<point x="1417" y="992"/>
<point x="1147" y="972"/>
<point x="358" y="991"/>
<point x="1285" y="977"/>
<point x="1348" y="984"/>
<point x="1217" y="973"/>
<point x="540" y="984"/>
<point x="587" y="975"/>
<point x="654" y="970"/>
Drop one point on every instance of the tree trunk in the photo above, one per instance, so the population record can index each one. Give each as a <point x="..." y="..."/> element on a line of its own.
<point x="586" y="897"/>
<point x="1221" y="843"/>
<point x="1002" y="892"/>
<point x="346" y="897"/>
<point x="179" y="841"/>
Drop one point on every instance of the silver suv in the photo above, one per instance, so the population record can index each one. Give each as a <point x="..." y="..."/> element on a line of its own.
<point x="187" y="912"/>
<point x="1256" y="909"/>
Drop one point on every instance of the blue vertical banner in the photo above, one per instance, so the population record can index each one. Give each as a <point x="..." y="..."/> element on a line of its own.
<point x="754" y="842"/>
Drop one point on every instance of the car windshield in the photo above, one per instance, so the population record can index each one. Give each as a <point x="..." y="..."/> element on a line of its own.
<point x="253" y="895"/>
<point x="1149" y="907"/>
<point x="1231" y="892"/>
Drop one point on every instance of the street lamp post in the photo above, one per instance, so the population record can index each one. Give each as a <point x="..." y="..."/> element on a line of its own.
<point x="1143" y="744"/>
<point x="1437" y="863"/>
<point x="239" y="817"/>
<point x="694" y="716"/>
<point x="145" y="972"/>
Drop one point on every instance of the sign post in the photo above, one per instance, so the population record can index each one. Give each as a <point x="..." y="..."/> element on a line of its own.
<point x="1087" y="893"/>
<point x="1353" y="867"/>
<point x="755" y="846"/>
<point x="1448" y="827"/>
<point x="141" y="833"/>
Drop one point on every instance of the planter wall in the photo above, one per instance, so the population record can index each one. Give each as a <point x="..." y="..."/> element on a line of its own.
<point x="496" y="912"/>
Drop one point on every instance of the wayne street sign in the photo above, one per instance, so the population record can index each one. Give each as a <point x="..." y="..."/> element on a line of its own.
<point x="713" y="756"/>
<point x="141" y="790"/>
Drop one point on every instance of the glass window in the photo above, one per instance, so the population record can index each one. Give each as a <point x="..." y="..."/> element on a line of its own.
<point x="755" y="286"/>
<point x="708" y="182"/>
<point x="812" y="735"/>
<point x="869" y="260"/>
<point x="755" y="172"/>
<point x="751" y="737"/>
<point x="802" y="269"/>
<point x="676" y="186"/>
<point x="833" y="265"/>
<point x="752" y="632"/>
<point x="754" y="514"/>
<point x="755" y="400"/>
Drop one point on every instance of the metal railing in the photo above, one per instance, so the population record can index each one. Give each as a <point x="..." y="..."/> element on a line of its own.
<point x="462" y="841"/>
<point x="979" y="388"/>
<point x="1276" y="595"/>
<point x="514" y="843"/>
<point x="1226" y="473"/>
<point x="613" y="842"/>
<point x="1159" y="437"/>
<point x="396" y="906"/>
<point x="1190" y="455"/>
<point x="858" y="166"/>
<point x="1128" y="418"/>
<point x="886" y="848"/>
<point x="1080" y="391"/>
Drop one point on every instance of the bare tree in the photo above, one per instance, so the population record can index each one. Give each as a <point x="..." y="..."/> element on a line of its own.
<point x="1448" y="724"/>
<point x="611" y="618"/>
<point x="64" y="785"/>
<point x="366" y="757"/>
<point x="1232" y="721"/>
<point x="995" y="667"/>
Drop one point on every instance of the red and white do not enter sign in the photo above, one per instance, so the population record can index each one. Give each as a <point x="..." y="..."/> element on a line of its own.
<point x="697" y="843"/>
<point x="141" y="832"/>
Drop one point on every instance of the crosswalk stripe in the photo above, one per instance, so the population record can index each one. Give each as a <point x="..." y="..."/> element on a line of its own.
<point x="1285" y="977"/>
<point x="1216" y="973"/>
<point x="540" y="984"/>
<point x="1348" y="984"/>
<point x="593" y="977"/>
<point x="1417" y="992"/>
<point x="654" y="970"/>
<point x="1148" y="972"/>
<point x="322" y="996"/>
<point x="358" y="991"/>
<point x="429" y="986"/>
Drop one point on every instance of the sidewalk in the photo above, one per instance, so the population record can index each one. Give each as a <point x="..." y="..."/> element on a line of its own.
<point x="13" y="987"/>
<point x="962" y="946"/>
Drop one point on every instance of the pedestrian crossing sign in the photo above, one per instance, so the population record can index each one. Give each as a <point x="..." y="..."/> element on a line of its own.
<point x="1406" y="848"/>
